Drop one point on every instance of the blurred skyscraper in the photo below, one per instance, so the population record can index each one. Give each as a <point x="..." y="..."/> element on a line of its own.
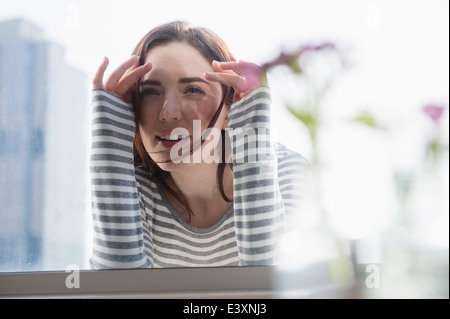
<point x="43" y="152"/>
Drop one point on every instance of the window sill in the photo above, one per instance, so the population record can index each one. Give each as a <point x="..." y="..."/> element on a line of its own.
<point x="223" y="283"/>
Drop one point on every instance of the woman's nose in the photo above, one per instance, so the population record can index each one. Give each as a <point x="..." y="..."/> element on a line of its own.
<point x="171" y="110"/>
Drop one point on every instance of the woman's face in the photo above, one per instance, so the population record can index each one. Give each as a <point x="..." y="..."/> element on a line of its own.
<point x="177" y="99"/>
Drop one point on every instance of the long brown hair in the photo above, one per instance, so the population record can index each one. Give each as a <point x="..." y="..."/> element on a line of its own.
<point x="212" y="47"/>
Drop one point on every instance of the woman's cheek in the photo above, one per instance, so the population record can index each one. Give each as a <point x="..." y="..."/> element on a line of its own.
<point x="206" y="108"/>
<point x="146" y="115"/>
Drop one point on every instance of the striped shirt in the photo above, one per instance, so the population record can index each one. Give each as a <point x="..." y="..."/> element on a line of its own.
<point x="136" y="226"/>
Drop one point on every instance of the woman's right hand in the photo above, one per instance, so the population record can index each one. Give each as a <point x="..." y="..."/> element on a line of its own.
<point x="122" y="79"/>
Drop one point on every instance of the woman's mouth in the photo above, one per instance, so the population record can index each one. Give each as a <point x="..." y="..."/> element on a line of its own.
<point x="170" y="140"/>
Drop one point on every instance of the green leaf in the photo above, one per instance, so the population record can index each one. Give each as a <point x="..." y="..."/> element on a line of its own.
<point x="308" y="118"/>
<point x="435" y="149"/>
<point x="295" y="66"/>
<point x="367" y="119"/>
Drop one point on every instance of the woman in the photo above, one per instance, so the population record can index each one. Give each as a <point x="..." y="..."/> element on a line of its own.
<point x="167" y="190"/>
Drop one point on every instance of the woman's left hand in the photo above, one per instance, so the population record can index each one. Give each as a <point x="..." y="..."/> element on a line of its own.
<point x="243" y="76"/>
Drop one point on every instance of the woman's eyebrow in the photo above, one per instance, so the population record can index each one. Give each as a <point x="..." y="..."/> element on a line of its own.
<point x="151" y="82"/>
<point x="181" y="81"/>
<point x="193" y="79"/>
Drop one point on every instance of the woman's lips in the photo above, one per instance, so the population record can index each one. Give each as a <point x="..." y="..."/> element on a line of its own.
<point x="167" y="143"/>
<point x="169" y="139"/>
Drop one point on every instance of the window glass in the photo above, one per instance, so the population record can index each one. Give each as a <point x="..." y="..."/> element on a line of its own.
<point x="43" y="151"/>
<point x="371" y="116"/>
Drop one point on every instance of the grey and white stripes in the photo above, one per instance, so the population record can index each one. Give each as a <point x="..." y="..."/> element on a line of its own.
<point x="135" y="225"/>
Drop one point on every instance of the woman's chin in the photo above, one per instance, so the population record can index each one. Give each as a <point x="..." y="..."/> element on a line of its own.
<point x="173" y="167"/>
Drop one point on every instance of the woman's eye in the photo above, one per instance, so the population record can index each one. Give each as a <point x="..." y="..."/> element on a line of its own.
<point x="148" y="92"/>
<point x="194" y="90"/>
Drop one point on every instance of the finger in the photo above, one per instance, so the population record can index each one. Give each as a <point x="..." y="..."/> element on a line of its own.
<point x="115" y="76"/>
<point x="98" y="78"/>
<point x="234" y="80"/>
<point x="240" y="67"/>
<point x="134" y="66"/>
<point x="252" y="72"/>
<point x="131" y="78"/>
<point x="229" y="65"/>
<point x="216" y="66"/>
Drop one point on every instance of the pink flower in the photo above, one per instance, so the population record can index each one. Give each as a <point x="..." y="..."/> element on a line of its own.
<point x="434" y="112"/>
<point x="291" y="59"/>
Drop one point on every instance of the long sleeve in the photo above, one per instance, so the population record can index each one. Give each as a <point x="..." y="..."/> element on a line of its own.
<point x="258" y="205"/>
<point x="118" y="231"/>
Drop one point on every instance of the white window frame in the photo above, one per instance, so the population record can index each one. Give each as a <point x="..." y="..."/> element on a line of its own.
<point x="222" y="282"/>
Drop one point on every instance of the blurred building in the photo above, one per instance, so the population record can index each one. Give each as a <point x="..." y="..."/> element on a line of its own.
<point x="43" y="152"/>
